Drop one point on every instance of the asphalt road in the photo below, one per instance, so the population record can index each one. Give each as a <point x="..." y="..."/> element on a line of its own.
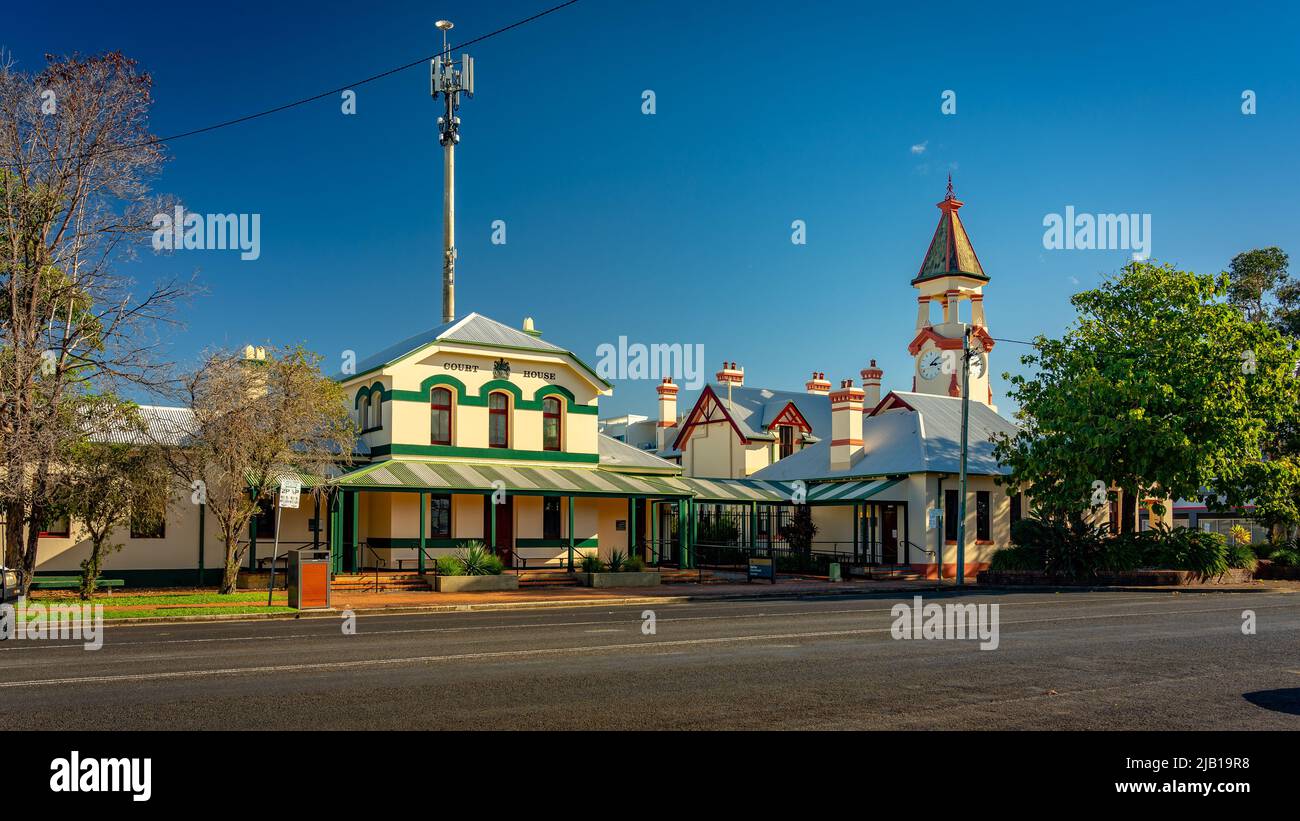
<point x="1077" y="660"/>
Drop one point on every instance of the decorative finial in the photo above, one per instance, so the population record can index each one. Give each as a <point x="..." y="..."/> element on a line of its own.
<point x="950" y="194"/>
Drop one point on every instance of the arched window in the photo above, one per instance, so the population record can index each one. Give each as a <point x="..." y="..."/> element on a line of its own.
<point x="376" y="410"/>
<point x="440" y="416"/>
<point x="551" y="424"/>
<point x="498" y="420"/>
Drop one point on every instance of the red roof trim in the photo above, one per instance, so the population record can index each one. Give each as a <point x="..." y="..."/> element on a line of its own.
<point x="790" y="415"/>
<point x="692" y="419"/>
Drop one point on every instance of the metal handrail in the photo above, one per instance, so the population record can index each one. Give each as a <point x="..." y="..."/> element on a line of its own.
<point x="379" y="562"/>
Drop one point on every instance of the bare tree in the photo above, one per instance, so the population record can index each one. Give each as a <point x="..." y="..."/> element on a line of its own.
<point x="76" y="160"/>
<point x="256" y="418"/>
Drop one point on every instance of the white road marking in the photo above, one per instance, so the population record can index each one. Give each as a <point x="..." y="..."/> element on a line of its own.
<point x="553" y="651"/>
<point x="1152" y="599"/>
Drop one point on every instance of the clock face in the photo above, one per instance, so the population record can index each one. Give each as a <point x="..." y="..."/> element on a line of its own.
<point x="930" y="364"/>
<point x="977" y="363"/>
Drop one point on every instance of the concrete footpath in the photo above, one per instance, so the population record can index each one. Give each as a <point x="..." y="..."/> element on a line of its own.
<point x="398" y="603"/>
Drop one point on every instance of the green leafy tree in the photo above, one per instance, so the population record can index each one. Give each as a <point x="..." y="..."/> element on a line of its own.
<point x="255" y="420"/>
<point x="1255" y="279"/>
<point x="110" y="479"/>
<point x="1161" y="387"/>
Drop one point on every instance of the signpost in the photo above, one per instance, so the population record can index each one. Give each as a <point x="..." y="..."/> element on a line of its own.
<point x="289" y="496"/>
<point x="762" y="567"/>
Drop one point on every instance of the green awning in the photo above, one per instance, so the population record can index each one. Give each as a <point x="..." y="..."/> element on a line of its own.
<point x="729" y="490"/>
<point x="842" y="492"/>
<point x="400" y="474"/>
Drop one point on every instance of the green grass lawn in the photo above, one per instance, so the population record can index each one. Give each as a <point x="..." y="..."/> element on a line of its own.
<point x="127" y="599"/>
<point x="154" y="605"/>
<point x="110" y="613"/>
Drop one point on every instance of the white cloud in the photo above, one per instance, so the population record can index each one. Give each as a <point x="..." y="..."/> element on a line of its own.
<point x="919" y="148"/>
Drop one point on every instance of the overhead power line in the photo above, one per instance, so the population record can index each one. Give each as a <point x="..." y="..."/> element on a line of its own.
<point x="313" y="98"/>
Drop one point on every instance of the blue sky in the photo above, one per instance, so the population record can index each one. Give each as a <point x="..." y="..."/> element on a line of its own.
<point x="676" y="227"/>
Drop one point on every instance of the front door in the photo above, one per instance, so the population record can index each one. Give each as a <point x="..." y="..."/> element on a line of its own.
<point x="505" y="537"/>
<point x="889" y="534"/>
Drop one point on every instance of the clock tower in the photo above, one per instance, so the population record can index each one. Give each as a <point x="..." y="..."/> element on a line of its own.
<point x="950" y="275"/>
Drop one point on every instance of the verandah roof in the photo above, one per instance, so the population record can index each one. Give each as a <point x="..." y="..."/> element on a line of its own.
<point x="399" y="474"/>
<point x="404" y="474"/>
<point x="839" y="492"/>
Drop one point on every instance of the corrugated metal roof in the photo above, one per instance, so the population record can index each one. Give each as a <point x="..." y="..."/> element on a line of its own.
<point x="616" y="454"/>
<point x="840" y="492"/>
<point x="396" y="474"/>
<point x="926" y="439"/>
<point x="169" y="426"/>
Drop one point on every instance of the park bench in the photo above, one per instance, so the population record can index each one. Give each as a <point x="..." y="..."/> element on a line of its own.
<point x="72" y="583"/>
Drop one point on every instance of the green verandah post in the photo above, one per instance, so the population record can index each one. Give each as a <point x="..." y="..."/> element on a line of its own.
<point x="424" y="504"/>
<point x="336" y="532"/>
<point x="356" y="531"/>
<point x="570" y="534"/>
<point x="631" y="525"/>
<point x="652" y="511"/>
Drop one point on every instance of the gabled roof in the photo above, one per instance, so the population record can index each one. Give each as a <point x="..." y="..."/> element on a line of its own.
<point x="950" y="252"/>
<point x="753" y="410"/>
<point x="472" y="329"/>
<point x="907" y="433"/>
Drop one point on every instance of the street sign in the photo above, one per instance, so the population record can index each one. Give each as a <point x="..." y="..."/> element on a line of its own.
<point x="936" y="517"/>
<point x="290" y="492"/>
<point x="762" y="567"/>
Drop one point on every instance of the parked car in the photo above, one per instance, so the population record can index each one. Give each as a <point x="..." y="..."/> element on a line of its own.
<point x="8" y="585"/>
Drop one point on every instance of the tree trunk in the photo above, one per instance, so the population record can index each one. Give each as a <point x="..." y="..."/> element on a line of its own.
<point x="230" y="575"/>
<point x="1128" y="513"/>
<point x="13" y="535"/>
<point x="90" y="568"/>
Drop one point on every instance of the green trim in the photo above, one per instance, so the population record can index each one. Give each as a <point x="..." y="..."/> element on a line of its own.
<point x="451" y="451"/>
<point x="464" y="397"/>
<point x="555" y="543"/>
<point x="478" y="345"/>
<point x="411" y="541"/>
<point x="366" y="390"/>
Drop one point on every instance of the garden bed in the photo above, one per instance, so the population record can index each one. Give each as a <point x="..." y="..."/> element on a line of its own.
<point x="643" y="578"/>
<point x="475" y="584"/>
<point x="1132" y="578"/>
<point x="1272" y="570"/>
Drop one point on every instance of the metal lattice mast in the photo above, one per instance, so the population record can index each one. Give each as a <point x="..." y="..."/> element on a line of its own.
<point x="449" y="78"/>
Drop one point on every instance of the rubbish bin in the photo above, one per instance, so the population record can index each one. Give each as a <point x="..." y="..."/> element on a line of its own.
<point x="833" y="572"/>
<point x="309" y="578"/>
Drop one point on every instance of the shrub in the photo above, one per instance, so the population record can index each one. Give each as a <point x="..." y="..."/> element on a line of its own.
<point x="1017" y="558"/>
<point x="1242" y="555"/>
<point x="1200" y="551"/>
<point x="472" y="559"/>
<point x="616" y="561"/>
<point x="591" y="563"/>
<point x="450" y="566"/>
<point x="1285" y="556"/>
<point x="634" y="564"/>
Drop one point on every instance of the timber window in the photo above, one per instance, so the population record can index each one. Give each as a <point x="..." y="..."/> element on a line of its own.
<point x="551" y="423"/>
<point x="498" y="420"/>
<point x="440" y="416"/>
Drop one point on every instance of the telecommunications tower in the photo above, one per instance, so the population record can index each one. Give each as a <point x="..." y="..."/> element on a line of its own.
<point x="449" y="78"/>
